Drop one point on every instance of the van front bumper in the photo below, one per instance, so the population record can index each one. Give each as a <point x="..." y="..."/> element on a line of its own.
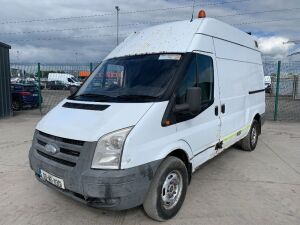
<point x="111" y="189"/>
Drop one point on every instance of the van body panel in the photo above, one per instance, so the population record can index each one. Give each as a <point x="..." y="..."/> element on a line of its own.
<point x="221" y="30"/>
<point x="237" y="79"/>
<point x="205" y="155"/>
<point x="90" y="125"/>
<point x="228" y="50"/>
<point x="202" y="43"/>
<point x="149" y="141"/>
<point x="157" y="39"/>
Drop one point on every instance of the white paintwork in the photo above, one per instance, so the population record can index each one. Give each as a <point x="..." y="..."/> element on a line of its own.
<point x="171" y="37"/>
<point x="218" y="29"/>
<point x="180" y="36"/>
<point x="237" y="70"/>
<point x="149" y="141"/>
<point x="63" y="77"/>
<point x="90" y="125"/>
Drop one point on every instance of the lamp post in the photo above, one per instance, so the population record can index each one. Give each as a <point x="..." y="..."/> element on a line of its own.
<point x="118" y="9"/>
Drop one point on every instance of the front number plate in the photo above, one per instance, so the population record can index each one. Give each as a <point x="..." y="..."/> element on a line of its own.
<point x="52" y="179"/>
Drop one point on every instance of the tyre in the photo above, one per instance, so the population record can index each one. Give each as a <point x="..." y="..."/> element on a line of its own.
<point x="249" y="142"/>
<point x="167" y="190"/>
<point x="16" y="105"/>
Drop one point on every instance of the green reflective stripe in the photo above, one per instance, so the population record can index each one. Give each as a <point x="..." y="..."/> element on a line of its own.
<point x="236" y="133"/>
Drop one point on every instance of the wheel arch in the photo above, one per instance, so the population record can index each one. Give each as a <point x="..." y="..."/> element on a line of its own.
<point x="182" y="155"/>
<point x="257" y="117"/>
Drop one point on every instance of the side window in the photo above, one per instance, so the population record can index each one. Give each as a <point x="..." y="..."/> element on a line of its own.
<point x="205" y="70"/>
<point x="189" y="80"/>
<point x="70" y="80"/>
<point x="198" y="74"/>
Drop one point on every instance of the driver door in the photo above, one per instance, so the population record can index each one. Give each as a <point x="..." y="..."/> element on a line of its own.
<point x="201" y="132"/>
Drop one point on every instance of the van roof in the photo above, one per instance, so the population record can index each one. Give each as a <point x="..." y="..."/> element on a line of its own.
<point x="177" y="37"/>
<point x="61" y="74"/>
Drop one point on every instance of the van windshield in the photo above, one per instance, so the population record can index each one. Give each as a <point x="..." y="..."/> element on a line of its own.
<point x="133" y="78"/>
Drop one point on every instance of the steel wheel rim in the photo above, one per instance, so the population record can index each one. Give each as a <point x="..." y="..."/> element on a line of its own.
<point x="253" y="136"/>
<point x="171" y="189"/>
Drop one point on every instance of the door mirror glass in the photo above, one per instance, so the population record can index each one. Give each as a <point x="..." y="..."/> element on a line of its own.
<point x="193" y="101"/>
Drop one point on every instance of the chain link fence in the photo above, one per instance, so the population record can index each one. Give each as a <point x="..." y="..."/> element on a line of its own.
<point x="52" y="84"/>
<point x="282" y="82"/>
<point x="48" y="84"/>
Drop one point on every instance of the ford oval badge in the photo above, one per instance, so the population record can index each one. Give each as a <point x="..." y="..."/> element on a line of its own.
<point x="51" y="149"/>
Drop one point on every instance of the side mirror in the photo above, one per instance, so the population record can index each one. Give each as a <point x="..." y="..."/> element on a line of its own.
<point x="193" y="101"/>
<point x="73" y="90"/>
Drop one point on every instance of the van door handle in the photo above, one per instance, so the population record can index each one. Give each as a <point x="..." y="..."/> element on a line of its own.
<point x="216" y="110"/>
<point x="223" y="108"/>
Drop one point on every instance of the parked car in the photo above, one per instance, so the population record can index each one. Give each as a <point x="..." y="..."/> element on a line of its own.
<point x="162" y="103"/>
<point x="24" y="95"/>
<point x="57" y="85"/>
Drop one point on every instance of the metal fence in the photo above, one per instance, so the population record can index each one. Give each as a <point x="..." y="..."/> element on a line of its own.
<point x="282" y="81"/>
<point x="283" y="90"/>
<point x="49" y="93"/>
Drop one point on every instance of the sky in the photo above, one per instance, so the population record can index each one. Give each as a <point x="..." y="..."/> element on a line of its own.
<point x="78" y="31"/>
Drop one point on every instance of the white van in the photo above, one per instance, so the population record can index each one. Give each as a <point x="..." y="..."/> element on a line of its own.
<point x="67" y="79"/>
<point x="162" y="103"/>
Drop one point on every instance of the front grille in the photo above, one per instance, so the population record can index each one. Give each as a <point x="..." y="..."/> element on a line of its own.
<point x="65" y="140"/>
<point x="68" y="149"/>
<point x="69" y="152"/>
<point x="42" y="143"/>
<point x="65" y="162"/>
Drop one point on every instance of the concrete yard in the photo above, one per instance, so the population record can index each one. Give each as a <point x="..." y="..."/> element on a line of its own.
<point x="260" y="187"/>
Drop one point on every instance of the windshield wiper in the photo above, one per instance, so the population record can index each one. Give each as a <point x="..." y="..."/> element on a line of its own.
<point x="92" y="95"/>
<point x="137" y="97"/>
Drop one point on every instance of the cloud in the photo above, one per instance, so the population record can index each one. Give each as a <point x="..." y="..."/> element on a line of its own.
<point x="274" y="46"/>
<point x="95" y="44"/>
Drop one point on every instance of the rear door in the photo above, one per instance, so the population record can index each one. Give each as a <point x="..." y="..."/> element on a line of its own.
<point x="202" y="132"/>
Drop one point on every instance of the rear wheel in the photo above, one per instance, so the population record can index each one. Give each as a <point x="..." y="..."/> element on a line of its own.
<point x="167" y="190"/>
<point x="249" y="142"/>
<point x="16" y="105"/>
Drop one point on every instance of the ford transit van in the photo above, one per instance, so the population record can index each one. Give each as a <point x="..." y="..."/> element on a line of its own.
<point x="162" y="103"/>
<point x="67" y="79"/>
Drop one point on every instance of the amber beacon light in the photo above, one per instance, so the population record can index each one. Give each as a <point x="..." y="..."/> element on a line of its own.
<point x="201" y="14"/>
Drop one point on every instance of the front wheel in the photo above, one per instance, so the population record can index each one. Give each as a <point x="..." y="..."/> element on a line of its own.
<point x="167" y="190"/>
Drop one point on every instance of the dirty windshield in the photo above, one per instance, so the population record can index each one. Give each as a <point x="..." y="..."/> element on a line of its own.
<point x="132" y="78"/>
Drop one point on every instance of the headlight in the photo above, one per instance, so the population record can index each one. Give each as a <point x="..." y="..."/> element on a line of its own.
<point x="109" y="149"/>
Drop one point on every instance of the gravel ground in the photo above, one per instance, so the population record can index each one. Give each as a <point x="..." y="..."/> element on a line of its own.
<point x="260" y="187"/>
